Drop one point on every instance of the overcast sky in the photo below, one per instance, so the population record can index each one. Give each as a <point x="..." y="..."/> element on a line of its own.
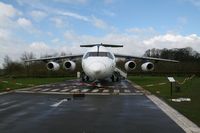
<point x="49" y="26"/>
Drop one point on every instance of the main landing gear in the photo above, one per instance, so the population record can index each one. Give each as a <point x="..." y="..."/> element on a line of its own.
<point x="115" y="77"/>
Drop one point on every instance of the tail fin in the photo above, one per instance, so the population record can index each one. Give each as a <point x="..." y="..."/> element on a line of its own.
<point x="101" y="44"/>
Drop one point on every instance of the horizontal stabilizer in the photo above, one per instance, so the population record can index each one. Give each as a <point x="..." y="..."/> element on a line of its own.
<point x="101" y="44"/>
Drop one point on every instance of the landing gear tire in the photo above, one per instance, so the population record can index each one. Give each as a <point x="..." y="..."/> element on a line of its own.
<point x="117" y="79"/>
<point x="84" y="77"/>
<point x="113" y="78"/>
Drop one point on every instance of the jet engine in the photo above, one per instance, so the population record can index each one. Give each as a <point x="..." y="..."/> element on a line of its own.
<point x="148" y="66"/>
<point x="130" y="65"/>
<point x="53" y="66"/>
<point x="69" y="65"/>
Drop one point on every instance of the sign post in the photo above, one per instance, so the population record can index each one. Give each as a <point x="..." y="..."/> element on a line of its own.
<point x="171" y="80"/>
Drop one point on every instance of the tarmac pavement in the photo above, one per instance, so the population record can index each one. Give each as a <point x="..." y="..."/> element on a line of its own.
<point x="29" y="110"/>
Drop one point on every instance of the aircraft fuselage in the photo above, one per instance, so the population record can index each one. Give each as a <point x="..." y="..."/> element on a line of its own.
<point x="98" y="65"/>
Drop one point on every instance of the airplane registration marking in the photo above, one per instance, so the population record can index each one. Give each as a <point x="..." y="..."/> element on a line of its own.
<point x="95" y="90"/>
<point x="85" y="90"/>
<point x="127" y="91"/>
<point x="105" y="91"/>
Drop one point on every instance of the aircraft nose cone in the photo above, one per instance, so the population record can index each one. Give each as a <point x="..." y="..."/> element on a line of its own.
<point x="97" y="69"/>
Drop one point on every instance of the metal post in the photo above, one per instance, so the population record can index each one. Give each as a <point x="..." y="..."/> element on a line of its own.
<point x="171" y="88"/>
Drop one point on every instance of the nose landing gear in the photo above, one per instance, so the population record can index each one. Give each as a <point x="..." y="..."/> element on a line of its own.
<point x="84" y="77"/>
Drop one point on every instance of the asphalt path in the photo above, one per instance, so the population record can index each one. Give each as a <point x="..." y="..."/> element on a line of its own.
<point x="53" y="113"/>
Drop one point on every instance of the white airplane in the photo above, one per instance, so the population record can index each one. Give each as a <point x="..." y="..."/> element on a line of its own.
<point x="99" y="63"/>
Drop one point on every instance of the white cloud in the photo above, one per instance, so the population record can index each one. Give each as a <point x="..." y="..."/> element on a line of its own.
<point x="7" y="16"/>
<point x="70" y="36"/>
<point x="174" y="41"/>
<point x="38" y="46"/>
<point x="72" y="1"/>
<point x="141" y="30"/>
<point x="7" y="10"/>
<point x="108" y="1"/>
<point x="27" y="25"/>
<point x="132" y="44"/>
<point x="4" y="34"/>
<point x="58" y="22"/>
<point x="74" y="15"/>
<point x="55" y="40"/>
<point x="99" y="23"/>
<point x="23" y="22"/>
<point x="38" y="15"/>
<point x="194" y="2"/>
<point x="109" y="13"/>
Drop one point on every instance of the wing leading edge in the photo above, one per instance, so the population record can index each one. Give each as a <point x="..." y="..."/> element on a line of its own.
<point x="56" y="58"/>
<point x="144" y="58"/>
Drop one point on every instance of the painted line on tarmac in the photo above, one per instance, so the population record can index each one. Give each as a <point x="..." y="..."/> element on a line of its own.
<point x="13" y="106"/>
<point x="64" y="90"/>
<point x="85" y="90"/>
<point x="7" y="102"/>
<point x="46" y="89"/>
<point x="95" y="90"/>
<point x="59" y="103"/>
<point x="55" y="90"/>
<point x="75" y="90"/>
<point x="127" y="91"/>
<point x="70" y="93"/>
<point x="105" y="91"/>
<point x="116" y="91"/>
<point x="3" y="93"/>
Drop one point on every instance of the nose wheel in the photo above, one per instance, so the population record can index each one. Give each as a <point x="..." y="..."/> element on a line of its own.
<point x="84" y="77"/>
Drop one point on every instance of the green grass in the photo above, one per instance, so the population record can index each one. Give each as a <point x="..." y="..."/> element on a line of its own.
<point x="191" y="89"/>
<point x="26" y="82"/>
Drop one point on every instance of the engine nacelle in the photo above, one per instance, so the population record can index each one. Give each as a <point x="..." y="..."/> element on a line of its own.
<point x="53" y="66"/>
<point x="148" y="66"/>
<point x="69" y="65"/>
<point x="130" y="65"/>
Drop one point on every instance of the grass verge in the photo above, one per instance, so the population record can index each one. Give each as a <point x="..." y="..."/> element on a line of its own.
<point x="190" y="89"/>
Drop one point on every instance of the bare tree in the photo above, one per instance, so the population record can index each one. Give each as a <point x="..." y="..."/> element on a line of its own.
<point x="7" y="62"/>
<point x="27" y="56"/>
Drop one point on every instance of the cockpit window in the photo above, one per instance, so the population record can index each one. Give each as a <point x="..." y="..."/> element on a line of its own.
<point x="100" y="54"/>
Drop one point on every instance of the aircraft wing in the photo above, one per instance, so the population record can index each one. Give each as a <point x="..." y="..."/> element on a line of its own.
<point x="56" y="58"/>
<point x="144" y="58"/>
